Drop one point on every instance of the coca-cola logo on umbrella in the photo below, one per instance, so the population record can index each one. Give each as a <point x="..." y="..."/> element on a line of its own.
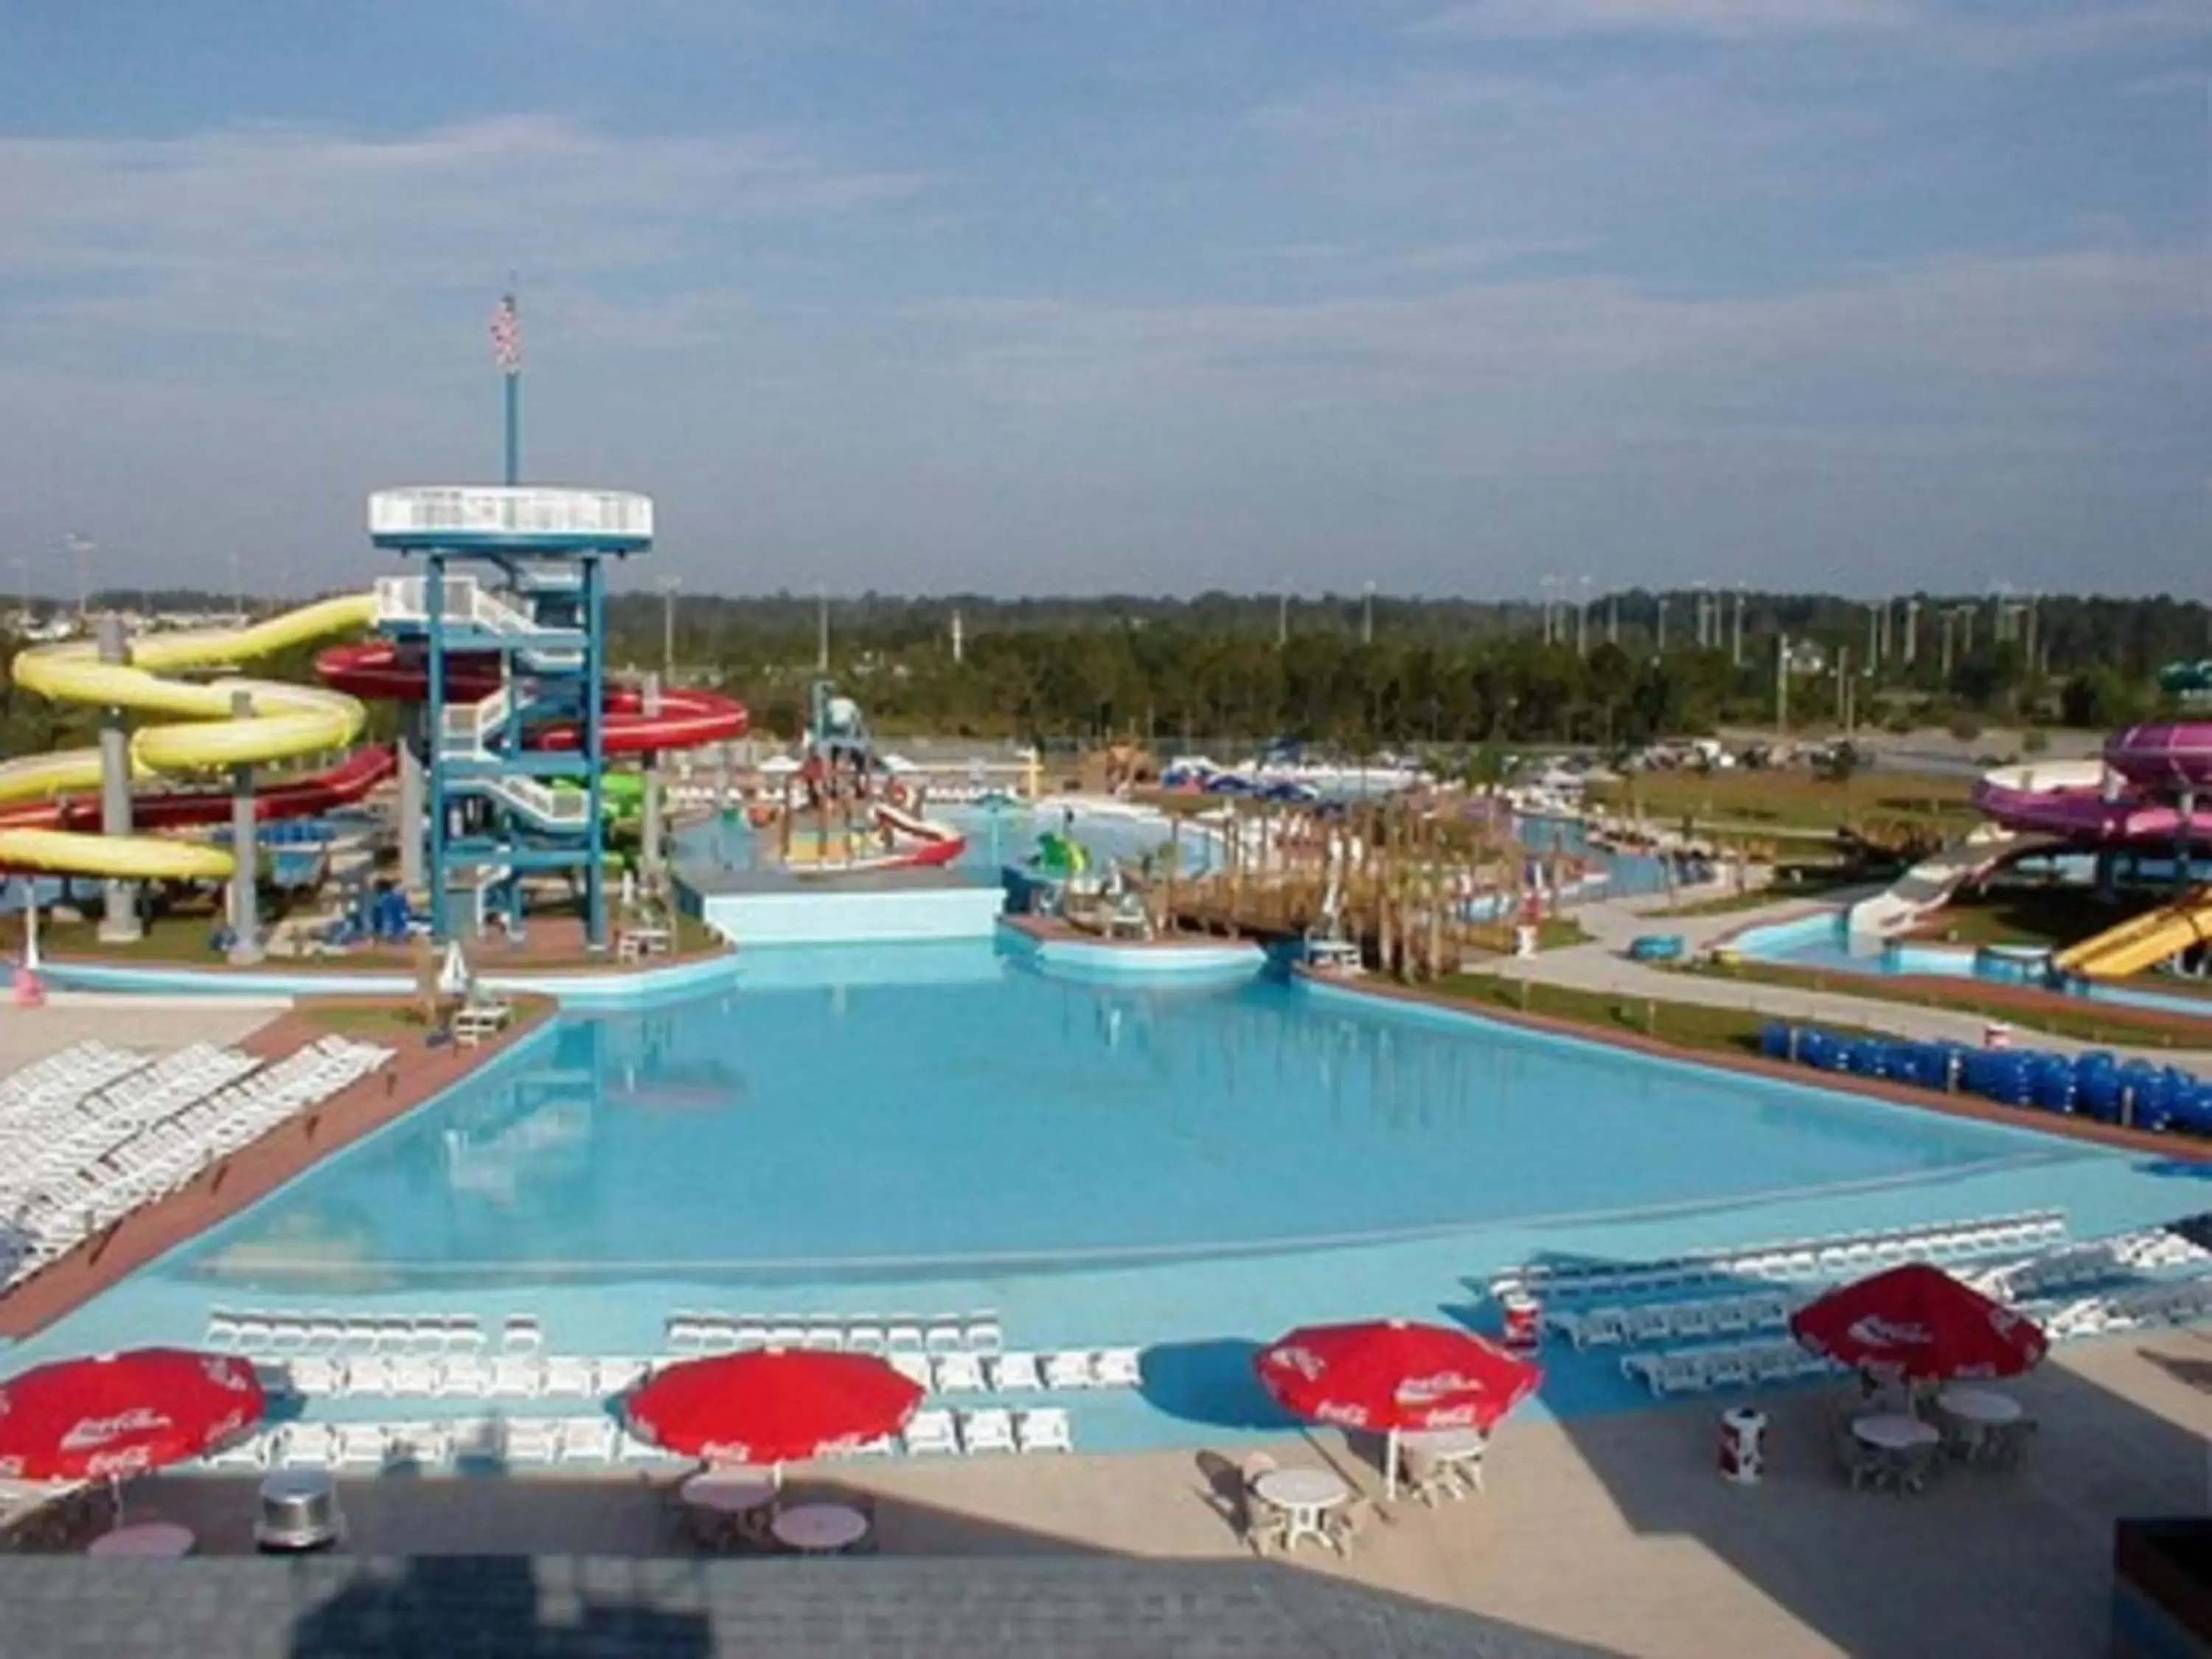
<point x="1872" y="1331"/>
<point x="1439" y="1385"/>
<point x="90" y="1432"/>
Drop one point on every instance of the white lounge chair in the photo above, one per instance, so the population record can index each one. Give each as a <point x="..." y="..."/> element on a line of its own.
<point x="930" y="1433"/>
<point x="959" y="1373"/>
<point x="1047" y="1428"/>
<point x="1069" y="1369"/>
<point x="569" y="1374"/>
<point x="991" y="1430"/>
<point x="1015" y="1372"/>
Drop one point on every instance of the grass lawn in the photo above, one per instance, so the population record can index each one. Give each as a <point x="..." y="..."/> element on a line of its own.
<point x="1780" y="890"/>
<point x="1680" y="1025"/>
<point x="1793" y="799"/>
<point x="2051" y="917"/>
<point x="2056" y="1015"/>
<point x="389" y="1019"/>
<point x="182" y="941"/>
<point x="1552" y="934"/>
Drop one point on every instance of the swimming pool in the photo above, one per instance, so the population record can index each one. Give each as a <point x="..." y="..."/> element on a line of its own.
<point x="997" y="837"/>
<point x="939" y="1126"/>
<point x="1824" y="941"/>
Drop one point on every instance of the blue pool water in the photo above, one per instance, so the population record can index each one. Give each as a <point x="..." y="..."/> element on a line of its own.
<point x="1004" y="1118"/>
<point x="997" y="837"/>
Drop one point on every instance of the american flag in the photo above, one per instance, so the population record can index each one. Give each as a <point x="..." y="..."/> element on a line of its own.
<point x="507" y="335"/>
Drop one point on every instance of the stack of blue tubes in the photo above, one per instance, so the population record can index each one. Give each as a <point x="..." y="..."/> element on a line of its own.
<point x="2095" y="1084"/>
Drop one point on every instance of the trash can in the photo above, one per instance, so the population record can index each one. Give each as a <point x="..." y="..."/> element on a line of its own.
<point x="1743" y="1445"/>
<point x="1524" y="940"/>
<point x="1525" y="1320"/>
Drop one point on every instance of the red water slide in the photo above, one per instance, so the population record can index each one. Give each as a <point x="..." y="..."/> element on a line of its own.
<point x="687" y="718"/>
<point x="180" y="808"/>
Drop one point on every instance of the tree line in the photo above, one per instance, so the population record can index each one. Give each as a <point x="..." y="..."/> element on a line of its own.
<point x="1364" y="671"/>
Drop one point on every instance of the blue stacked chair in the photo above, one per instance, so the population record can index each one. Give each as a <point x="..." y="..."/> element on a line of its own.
<point x="2191" y="1114"/>
<point x="2144" y="1091"/>
<point x="2050" y="1081"/>
<point x="2098" y="1084"/>
<point x="2098" y="1088"/>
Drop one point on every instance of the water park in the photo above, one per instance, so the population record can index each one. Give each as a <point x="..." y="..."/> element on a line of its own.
<point x="563" y="1079"/>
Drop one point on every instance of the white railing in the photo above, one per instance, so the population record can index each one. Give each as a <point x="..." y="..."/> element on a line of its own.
<point x="551" y="808"/>
<point x="465" y="726"/>
<point x="478" y="510"/>
<point x="467" y="603"/>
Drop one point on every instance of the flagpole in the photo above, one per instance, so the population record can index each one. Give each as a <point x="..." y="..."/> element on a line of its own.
<point x="514" y="379"/>
<point x="506" y="347"/>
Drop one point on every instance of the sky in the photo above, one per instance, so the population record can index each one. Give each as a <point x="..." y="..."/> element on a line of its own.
<point x="1452" y="296"/>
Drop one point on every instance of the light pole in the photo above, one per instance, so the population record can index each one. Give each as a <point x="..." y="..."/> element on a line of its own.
<point x="668" y="584"/>
<point x="822" y="631"/>
<point x="1283" y="613"/>
<point x="81" y="548"/>
<point x="1367" y="616"/>
<point x="1735" y="644"/>
<point x="1581" y="616"/>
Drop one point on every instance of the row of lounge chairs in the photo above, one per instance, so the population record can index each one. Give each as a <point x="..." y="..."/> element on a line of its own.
<point x="1839" y="1255"/>
<point x="1702" y="1370"/>
<point x="91" y="1134"/>
<point x="2091" y="1262"/>
<point x="1658" y="1321"/>
<point x="465" y="1376"/>
<point x="276" y="1335"/>
<point x="940" y="1333"/>
<point x="599" y="1440"/>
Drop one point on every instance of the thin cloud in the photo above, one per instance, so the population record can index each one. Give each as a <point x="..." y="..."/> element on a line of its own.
<point x="1709" y="19"/>
<point x="286" y="233"/>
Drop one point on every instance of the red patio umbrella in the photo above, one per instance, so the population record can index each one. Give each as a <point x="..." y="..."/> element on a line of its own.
<point x="1391" y="1376"/>
<point x="120" y="1414"/>
<point x="769" y="1406"/>
<point x="1916" y="1323"/>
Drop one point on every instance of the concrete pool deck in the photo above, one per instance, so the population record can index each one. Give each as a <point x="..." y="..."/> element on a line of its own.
<point x="1614" y="1531"/>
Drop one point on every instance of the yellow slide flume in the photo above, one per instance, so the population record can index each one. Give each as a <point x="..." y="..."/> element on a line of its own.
<point x="287" y="720"/>
<point x="2136" y="944"/>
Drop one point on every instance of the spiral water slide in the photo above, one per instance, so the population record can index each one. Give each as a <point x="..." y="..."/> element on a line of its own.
<point x="686" y="718"/>
<point x="2141" y="794"/>
<point x="286" y="721"/>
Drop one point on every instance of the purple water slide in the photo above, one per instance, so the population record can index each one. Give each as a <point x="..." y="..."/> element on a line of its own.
<point x="2168" y="758"/>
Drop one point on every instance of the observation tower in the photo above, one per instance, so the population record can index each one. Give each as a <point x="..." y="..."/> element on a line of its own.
<point x="506" y="617"/>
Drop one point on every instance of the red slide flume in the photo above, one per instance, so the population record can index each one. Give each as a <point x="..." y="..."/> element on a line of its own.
<point x="180" y="808"/>
<point x="687" y="719"/>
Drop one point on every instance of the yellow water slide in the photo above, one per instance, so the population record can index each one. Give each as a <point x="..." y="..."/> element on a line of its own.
<point x="287" y="720"/>
<point x="2139" y="942"/>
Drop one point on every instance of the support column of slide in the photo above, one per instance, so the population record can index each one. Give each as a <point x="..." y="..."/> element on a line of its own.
<point x="433" y="722"/>
<point x="595" y="756"/>
<point x="245" y="851"/>
<point x="649" y="822"/>
<point x="119" y="922"/>
<point x="411" y="797"/>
